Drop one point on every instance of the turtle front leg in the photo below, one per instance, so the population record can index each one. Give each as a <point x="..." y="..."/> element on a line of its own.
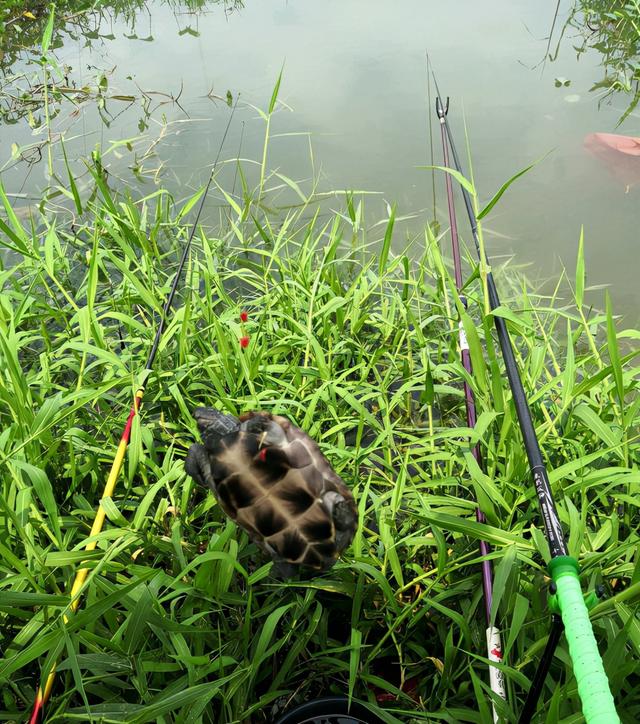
<point x="214" y="425"/>
<point x="198" y="466"/>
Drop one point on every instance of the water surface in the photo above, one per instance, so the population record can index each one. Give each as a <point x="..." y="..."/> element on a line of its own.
<point x="354" y="90"/>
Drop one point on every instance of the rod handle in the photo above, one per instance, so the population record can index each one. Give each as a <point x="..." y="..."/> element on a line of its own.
<point x="593" y="686"/>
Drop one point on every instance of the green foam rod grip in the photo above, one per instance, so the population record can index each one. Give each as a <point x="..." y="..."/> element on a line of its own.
<point x="593" y="685"/>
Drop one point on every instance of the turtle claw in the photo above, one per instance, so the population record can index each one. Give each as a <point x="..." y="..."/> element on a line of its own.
<point x="197" y="465"/>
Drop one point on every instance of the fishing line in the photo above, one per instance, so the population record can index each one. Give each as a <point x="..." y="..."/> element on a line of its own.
<point x="44" y="693"/>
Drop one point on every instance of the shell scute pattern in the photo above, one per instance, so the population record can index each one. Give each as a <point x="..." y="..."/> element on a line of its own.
<point x="271" y="478"/>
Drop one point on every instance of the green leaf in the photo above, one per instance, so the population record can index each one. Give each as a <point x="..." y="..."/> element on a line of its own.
<point x="500" y="577"/>
<point x="520" y="611"/>
<point x="293" y="186"/>
<point x="189" y="204"/>
<point x="355" y="650"/>
<point x="475" y="348"/>
<point x="599" y="427"/>
<point x="274" y="95"/>
<point x="72" y="183"/>
<point x="508" y="314"/>
<point x="48" y="31"/>
<point x="475" y="530"/>
<point x="44" y="491"/>
<point x="462" y="180"/>
<point x="485" y="485"/>
<point x="504" y="187"/>
<point x="568" y="376"/>
<point x="17" y="233"/>
<point x="168" y="701"/>
<point x="112" y="512"/>
<point x="427" y="396"/>
<point x="580" y="273"/>
<point x="614" y="352"/>
<point x="55" y="559"/>
<point x="267" y="631"/>
<point x="386" y="244"/>
<point x="24" y="599"/>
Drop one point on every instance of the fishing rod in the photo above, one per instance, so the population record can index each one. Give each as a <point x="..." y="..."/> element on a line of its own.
<point x="593" y="687"/>
<point x="44" y="692"/>
<point x="494" y="643"/>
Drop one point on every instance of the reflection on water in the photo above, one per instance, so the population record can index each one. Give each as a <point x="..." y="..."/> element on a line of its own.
<point x="150" y="86"/>
<point x="613" y="30"/>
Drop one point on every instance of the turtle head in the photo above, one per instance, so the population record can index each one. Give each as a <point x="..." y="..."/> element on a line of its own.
<point x="344" y="516"/>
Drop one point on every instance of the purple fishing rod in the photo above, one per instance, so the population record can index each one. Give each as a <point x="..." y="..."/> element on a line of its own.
<point x="494" y="646"/>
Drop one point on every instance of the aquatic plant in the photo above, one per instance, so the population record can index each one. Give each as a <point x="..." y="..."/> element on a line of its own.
<point x="22" y="24"/>
<point x="611" y="27"/>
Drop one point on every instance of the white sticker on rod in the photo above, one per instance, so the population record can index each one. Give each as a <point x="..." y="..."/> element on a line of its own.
<point x="462" y="337"/>
<point x="494" y="653"/>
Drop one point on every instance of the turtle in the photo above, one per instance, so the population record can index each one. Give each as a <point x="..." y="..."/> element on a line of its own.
<point x="272" y="480"/>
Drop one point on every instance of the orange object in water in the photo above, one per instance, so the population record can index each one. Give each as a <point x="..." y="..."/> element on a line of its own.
<point x="620" y="154"/>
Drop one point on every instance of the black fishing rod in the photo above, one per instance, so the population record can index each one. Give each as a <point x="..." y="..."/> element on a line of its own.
<point x="493" y="638"/>
<point x="593" y="686"/>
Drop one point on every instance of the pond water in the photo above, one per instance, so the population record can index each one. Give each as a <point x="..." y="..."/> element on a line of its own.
<point x="354" y="112"/>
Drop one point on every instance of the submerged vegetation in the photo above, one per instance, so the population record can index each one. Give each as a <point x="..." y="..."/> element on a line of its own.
<point x="181" y="620"/>
<point x="21" y="24"/>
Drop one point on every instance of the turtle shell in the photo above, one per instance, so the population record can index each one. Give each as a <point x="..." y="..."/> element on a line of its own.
<point x="271" y="479"/>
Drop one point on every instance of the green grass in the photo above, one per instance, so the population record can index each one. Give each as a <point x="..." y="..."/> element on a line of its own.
<point x="180" y="620"/>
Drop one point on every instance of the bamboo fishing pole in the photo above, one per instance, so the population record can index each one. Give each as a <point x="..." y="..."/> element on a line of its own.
<point x="593" y="687"/>
<point x="494" y="643"/>
<point x="44" y="691"/>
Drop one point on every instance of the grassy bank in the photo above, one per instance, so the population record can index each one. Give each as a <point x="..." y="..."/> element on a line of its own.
<point x="181" y="620"/>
